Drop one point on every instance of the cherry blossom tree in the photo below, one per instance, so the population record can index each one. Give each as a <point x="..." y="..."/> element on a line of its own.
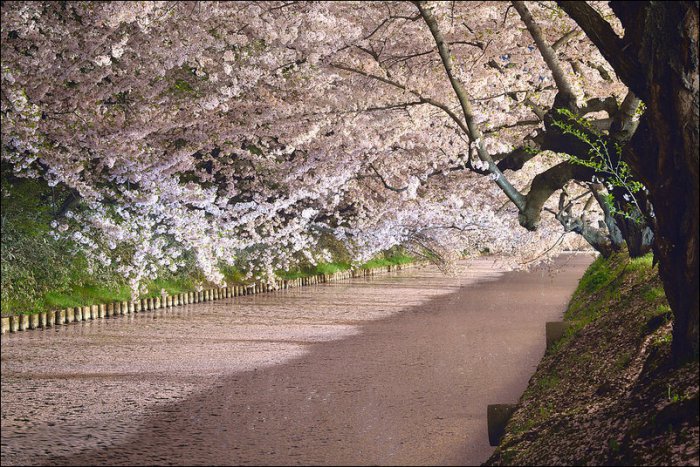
<point x="245" y="131"/>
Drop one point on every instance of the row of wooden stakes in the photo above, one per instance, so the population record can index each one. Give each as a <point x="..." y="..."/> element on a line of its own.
<point x="49" y="319"/>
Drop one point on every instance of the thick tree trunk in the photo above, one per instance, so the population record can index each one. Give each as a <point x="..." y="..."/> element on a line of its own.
<point x="658" y="59"/>
<point x="664" y="150"/>
<point x="638" y="236"/>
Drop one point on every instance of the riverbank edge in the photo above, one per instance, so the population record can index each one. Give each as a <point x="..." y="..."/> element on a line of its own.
<point x="24" y="322"/>
<point x="607" y="393"/>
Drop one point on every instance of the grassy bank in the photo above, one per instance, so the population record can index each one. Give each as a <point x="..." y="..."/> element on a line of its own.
<point x="40" y="274"/>
<point x="606" y="394"/>
<point x="84" y="289"/>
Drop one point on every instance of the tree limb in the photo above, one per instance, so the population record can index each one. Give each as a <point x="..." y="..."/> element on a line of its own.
<point x="609" y="105"/>
<point x="386" y="185"/>
<point x="548" y="53"/>
<point x="603" y="36"/>
<point x="473" y="130"/>
<point x="544" y="185"/>
<point x="514" y="160"/>
<point x="566" y="38"/>
<point x="623" y="125"/>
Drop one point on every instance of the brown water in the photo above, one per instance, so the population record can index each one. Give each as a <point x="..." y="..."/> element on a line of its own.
<point x="397" y="369"/>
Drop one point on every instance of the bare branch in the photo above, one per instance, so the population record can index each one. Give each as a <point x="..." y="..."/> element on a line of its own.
<point x="473" y="130"/>
<point x="601" y="71"/>
<point x="539" y="111"/>
<point x="400" y="106"/>
<point x="512" y="94"/>
<point x="548" y="54"/>
<point x="398" y="85"/>
<point x="595" y="237"/>
<point x="386" y="185"/>
<point x="566" y="38"/>
<point x="554" y="245"/>
<point x="514" y="160"/>
<point x="284" y="5"/>
<point x="390" y="61"/>
<point x="613" y="230"/>
<point x="512" y="125"/>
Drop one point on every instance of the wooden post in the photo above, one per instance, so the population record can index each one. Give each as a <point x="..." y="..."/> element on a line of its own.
<point x="497" y="416"/>
<point x="14" y="323"/>
<point x="555" y="330"/>
<point x="33" y="321"/>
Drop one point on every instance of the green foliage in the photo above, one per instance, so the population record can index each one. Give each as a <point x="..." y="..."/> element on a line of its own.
<point x="182" y="88"/>
<point x="663" y="340"/>
<point x="654" y="293"/>
<point x="171" y="285"/>
<point x="642" y="262"/>
<point x="342" y="261"/>
<point x="672" y="396"/>
<point x="87" y="294"/>
<point x="548" y="382"/>
<point x="233" y="275"/>
<point x="40" y="273"/>
<point x="313" y="270"/>
<point x="33" y="263"/>
<point x="613" y="445"/>
<point x="641" y="108"/>
<point x="388" y="258"/>
<point x="600" y="276"/>
<point x="331" y="268"/>
<point x="599" y="288"/>
<point x="596" y="277"/>
<point x="531" y="150"/>
<point x="613" y="169"/>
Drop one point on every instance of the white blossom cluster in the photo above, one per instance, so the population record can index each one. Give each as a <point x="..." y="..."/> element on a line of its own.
<point x="236" y="132"/>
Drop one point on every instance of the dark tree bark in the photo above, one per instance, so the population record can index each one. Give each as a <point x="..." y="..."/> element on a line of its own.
<point x="658" y="59"/>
